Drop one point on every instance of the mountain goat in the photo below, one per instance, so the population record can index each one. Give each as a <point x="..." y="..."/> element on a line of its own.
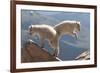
<point x="45" y="32"/>
<point x="68" y="27"/>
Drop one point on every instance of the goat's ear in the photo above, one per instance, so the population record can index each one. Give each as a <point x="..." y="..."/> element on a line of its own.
<point x="30" y="27"/>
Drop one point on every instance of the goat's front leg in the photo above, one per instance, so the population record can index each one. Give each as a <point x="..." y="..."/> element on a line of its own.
<point x="76" y="35"/>
<point x="55" y="45"/>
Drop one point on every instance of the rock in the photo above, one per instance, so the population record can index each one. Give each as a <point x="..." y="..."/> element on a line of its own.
<point x="83" y="56"/>
<point x="31" y="52"/>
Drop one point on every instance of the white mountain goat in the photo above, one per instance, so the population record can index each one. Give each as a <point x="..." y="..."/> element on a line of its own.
<point x="45" y="32"/>
<point x="68" y="27"/>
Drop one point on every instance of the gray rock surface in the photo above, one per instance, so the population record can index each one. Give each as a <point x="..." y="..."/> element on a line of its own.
<point x="83" y="56"/>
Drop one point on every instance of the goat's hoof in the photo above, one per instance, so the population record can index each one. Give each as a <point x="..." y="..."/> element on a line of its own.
<point x="54" y="55"/>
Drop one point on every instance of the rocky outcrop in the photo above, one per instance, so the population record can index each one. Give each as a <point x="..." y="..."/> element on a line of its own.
<point x="83" y="56"/>
<point x="31" y="52"/>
